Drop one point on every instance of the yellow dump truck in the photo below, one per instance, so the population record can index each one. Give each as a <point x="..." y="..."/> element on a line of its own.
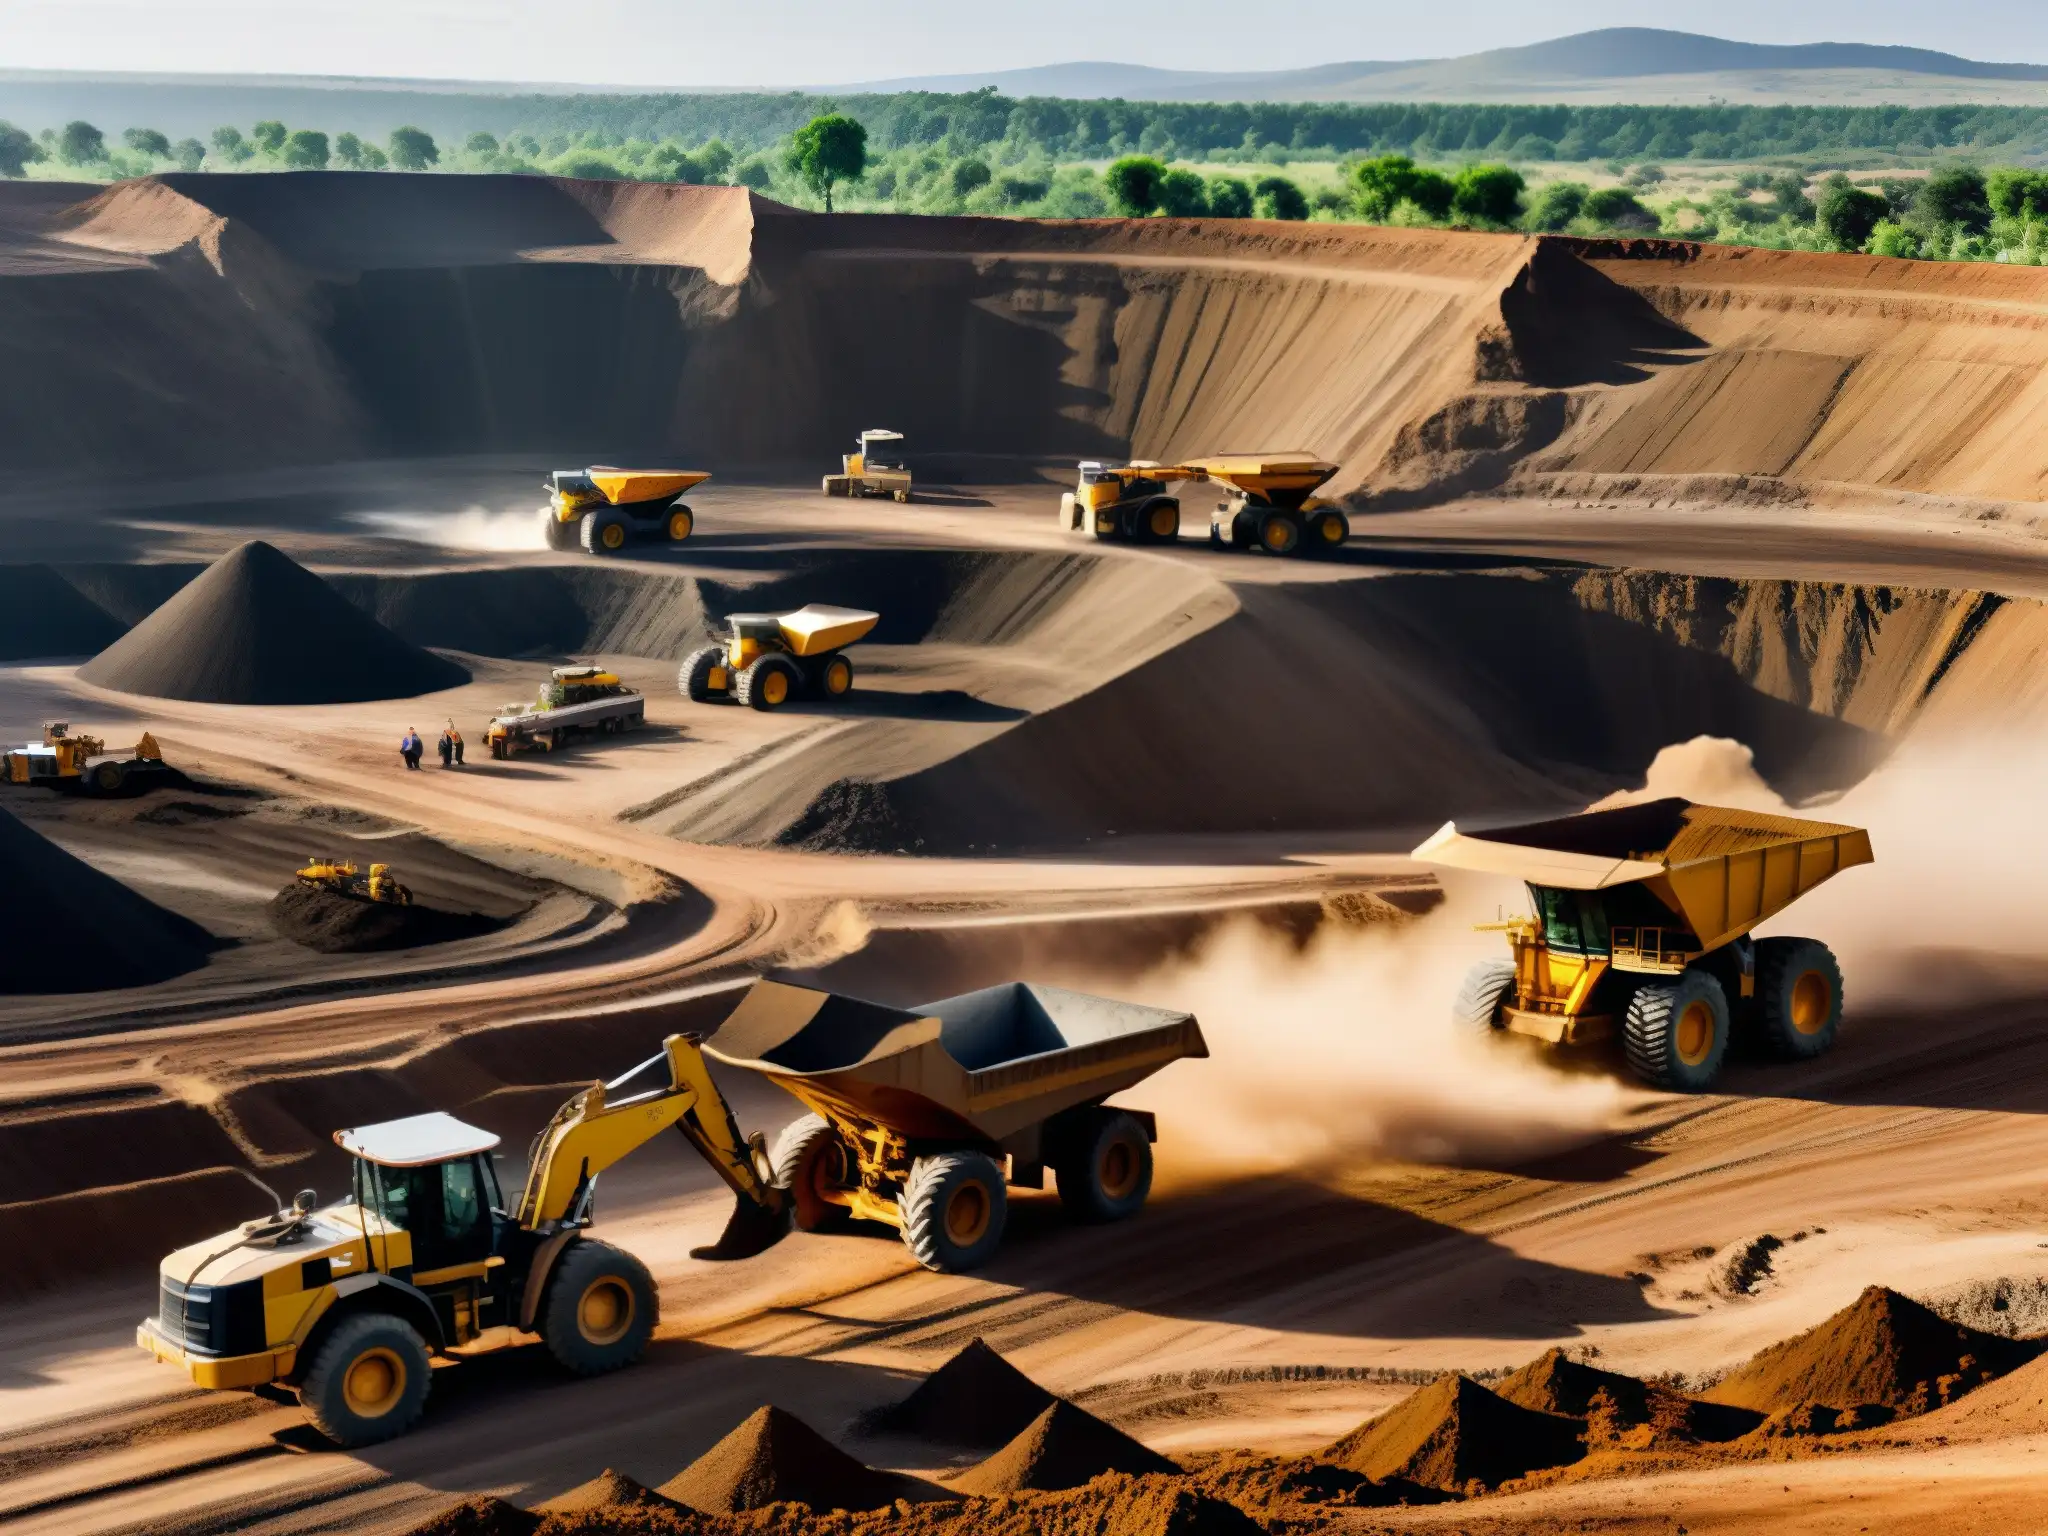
<point x="876" y="467"/>
<point x="603" y="509"/>
<point x="62" y="760"/>
<point x="1130" y="502"/>
<point x="767" y="659"/>
<point x="922" y="1117"/>
<point x="1640" y="926"/>
<point x="1274" y="506"/>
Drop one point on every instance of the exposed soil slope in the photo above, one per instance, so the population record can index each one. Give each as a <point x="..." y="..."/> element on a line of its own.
<point x="258" y="628"/>
<point x="334" y="924"/>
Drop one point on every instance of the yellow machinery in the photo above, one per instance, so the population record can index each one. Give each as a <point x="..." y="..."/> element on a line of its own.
<point x="1127" y="501"/>
<point x="1275" y="507"/>
<point x="603" y="509"/>
<point x="875" y="468"/>
<point x="64" y="761"/>
<point x="768" y="659"/>
<point x="346" y="1305"/>
<point x="1641" y="925"/>
<point x="378" y="885"/>
<point x="576" y="701"/>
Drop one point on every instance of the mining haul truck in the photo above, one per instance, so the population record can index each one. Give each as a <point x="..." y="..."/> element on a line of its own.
<point x="768" y="659"/>
<point x="602" y="509"/>
<point x="577" y="701"/>
<point x="1275" y="507"/>
<point x="875" y="468"/>
<point x="1131" y="502"/>
<point x="1640" y="927"/>
<point x="64" y="761"/>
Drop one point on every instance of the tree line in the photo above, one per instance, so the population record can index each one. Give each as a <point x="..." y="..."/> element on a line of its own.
<point x="81" y="146"/>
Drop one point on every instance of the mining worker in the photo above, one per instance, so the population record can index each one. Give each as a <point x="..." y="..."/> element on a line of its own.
<point x="455" y="736"/>
<point x="410" y="747"/>
<point x="446" y="747"/>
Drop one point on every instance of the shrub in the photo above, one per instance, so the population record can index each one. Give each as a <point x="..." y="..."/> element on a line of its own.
<point x="348" y="150"/>
<point x="1849" y="215"/>
<point x="268" y="136"/>
<point x="1133" y="185"/>
<point x="81" y="144"/>
<point x="306" y="150"/>
<point x="413" y="149"/>
<point x="2014" y="193"/>
<point x="1276" y="197"/>
<point x="1379" y="185"/>
<point x="1488" y="194"/>
<point x="1017" y="190"/>
<point x="483" y="145"/>
<point x="1230" y="197"/>
<point x="1556" y="206"/>
<point x="1182" y="195"/>
<point x="230" y="146"/>
<point x="18" y="150"/>
<point x="754" y="174"/>
<point x="1889" y="239"/>
<point x="588" y="165"/>
<point x="189" y="153"/>
<point x="970" y="175"/>
<point x="1617" y="208"/>
<point x="147" y="141"/>
<point x="1955" y="195"/>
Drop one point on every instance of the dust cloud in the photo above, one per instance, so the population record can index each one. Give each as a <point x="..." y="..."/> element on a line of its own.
<point x="484" y="529"/>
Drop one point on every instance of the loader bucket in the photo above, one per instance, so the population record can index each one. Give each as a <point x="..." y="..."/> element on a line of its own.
<point x="749" y="1230"/>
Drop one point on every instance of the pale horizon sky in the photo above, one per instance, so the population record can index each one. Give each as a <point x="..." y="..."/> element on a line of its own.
<point x="651" y="43"/>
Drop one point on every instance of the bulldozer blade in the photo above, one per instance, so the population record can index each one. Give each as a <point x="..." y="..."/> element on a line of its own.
<point x="751" y="1229"/>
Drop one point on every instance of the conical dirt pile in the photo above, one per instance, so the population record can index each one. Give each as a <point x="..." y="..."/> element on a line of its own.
<point x="1063" y="1447"/>
<point x="480" y="1516"/>
<point x="977" y="1398"/>
<point x="257" y="628"/>
<point x="1883" y="1349"/>
<point x="1454" y="1432"/>
<point x="609" y="1490"/>
<point x="70" y="928"/>
<point x="1554" y="1383"/>
<point x="776" y="1458"/>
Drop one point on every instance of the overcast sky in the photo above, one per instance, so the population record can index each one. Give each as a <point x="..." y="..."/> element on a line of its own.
<point x="784" y="42"/>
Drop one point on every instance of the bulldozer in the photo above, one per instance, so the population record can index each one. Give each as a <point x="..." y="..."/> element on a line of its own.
<point x="1640" y="927"/>
<point x="1274" y="507"/>
<point x="767" y="659"/>
<point x="603" y="509"/>
<point x="1131" y="501"/>
<point x="876" y="467"/>
<point x="378" y="884"/>
<point x="346" y="1305"/>
<point x="79" y="762"/>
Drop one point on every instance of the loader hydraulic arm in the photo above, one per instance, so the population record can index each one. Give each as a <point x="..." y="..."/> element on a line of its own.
<point x="607" y="1121"/>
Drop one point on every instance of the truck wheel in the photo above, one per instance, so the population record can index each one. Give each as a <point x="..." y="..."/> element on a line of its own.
<point x="1069" y="522"/>
<point x="1162" y="521"/>
<point x="953" y="1207"/>
<point x="605" y="533"/>
<point x="1798" y="997"/>
<point x="694" y="678"/>
<point x="810" y="1157"/>
<point x="1677" y="1032"/>
<point x="107" y="778"/>
<point x="1106" y="1173"/>
<point x="769" y="683"/>
<point x="1328" y="530"/>
<point x="1479" y="1000"/>
<point x="556" y="534"/>
<point x="903" y="498"/>
<point x="1244" y="530"/>
<point x="1279" y="534"/>
<point x="369" y="1381"/>
<point x="680" y="521"/>
<point x="838" y="485"/>
<point x="600" y="1310"/>
<point x="836" y="680"/>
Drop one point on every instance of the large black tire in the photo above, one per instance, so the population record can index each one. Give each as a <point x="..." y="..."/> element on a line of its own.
<point x="1486" y="987"/>
<point x="107" y="778"/>
<point x="694" y="676"/>
<point x="757" y="687"/>
<point x="1676" y="1032"/>
<point x="953" y="1207"/>
<point x="1156" y="520"/>
<point x="1244" y="528"/>
<point x="1798" y="997"/>
<point x="556" y="534"/>
<point x="368" y="1381"/>
<point x="600" y="1309"/>
<point x="1327" y="531"/>
<point x="811" y="1157"/>
<point x="1105" y="1172"/>
<point x="1279" y="533"/>
<point x="606" y="533"/>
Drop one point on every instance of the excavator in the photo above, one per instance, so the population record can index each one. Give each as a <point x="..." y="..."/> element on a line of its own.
<point x="346" y="1304"/>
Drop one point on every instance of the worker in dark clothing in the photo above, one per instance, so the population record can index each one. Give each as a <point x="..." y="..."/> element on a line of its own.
<point x="457" y="735"/>
<point x="446" y="747"/>
<point x="411" y="748"/>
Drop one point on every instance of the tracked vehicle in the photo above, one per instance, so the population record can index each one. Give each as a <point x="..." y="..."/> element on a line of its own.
<point x="377" y="884"/>
<point x="1640" y="928"/>
<point x="63" y="760"/>
<point x="602" y="509"/>
<point x="767" y="659"/>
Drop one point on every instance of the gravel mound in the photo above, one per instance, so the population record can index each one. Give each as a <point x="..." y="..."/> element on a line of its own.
<point x="483" y="1515"/>
<point x="776" y="1458"/>
<point x="1883" y="1350"/>
<point x="257" y="628"/>
<point x="611" y="1491"/>
<point x="72" y="929"/>
<point x="977" y="1398"/>
<point x="1454" y="1433"/>
<point x="340" y="925"/>
<point x="1063" y="1447"/>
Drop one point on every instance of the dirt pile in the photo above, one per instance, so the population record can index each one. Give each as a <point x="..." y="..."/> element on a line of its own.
<point x="1282" y="1490"/>
<point x="334" y="924"/>
<point x="42" y="614"/>
<point x="480" y="1516"/>
<point x="1064" y="1447"/>
<point x="776" y="1458"/>
<point x="611" y="1491"/>
<point x="72" y="929"/>
<point x="1456" y="1435"/>
<point x="257" y="628"/>
<point x="2015" y="1404"/>
<point x="1883" y="1351"/>
<point x="1620" y="1406"/>
<point x="977" y="1398"/>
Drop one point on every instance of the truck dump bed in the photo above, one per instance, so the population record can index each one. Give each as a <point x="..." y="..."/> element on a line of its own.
<point x="980" y="1066"/>
<point x="1724" y="870"/>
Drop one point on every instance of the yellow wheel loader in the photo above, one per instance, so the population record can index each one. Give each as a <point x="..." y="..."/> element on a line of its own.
<point x="64" y="761"/>
<point x="1274" y="507"/>
<point x="875" y="468"/>
<point x="1126" y="501"/>
<point x="348" y="1305"/>
<point x="767" y="659"/>
<point x="602" y="509"/>
<point x="1640" y="927"/>
<point x="379" y="884"/>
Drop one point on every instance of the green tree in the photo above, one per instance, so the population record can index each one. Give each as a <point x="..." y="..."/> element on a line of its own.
<point x="306" y="150"/>
<point x="587" y="165"/>
<point x="1618" y="208"/>
<point x="1016" y="189"/>
<point x="969" y="175"/>
<point x="1275" y="197"/>
<point x="716" y="156"/>
<point x="828" y="150"/>
<point x="2015" y="193"/>
<point x="79" y="143"/>
<point x="671" y="162"/>
<point x="189" y="153"/>
<point x="1848" y="214"/>
<point x="1230" y="197"/>
<point x="374" y="159"/>
<point x="483" y="145"/>
<point x="1182" y="195"/>
<point x="1889" y="239"/>
<point x="1488" y="194"/>
<point x="1133" y="184"/>
<point x="754" y="175"/>
<point x="268" y="136"/>
<point x="413" y="149"/>
<point x="1953" y="195"/>
<point x="348" y="151"/>
<point x="1556" y="206"/>
<point x="18" y="150"/>
<point x="1380" y="184"/>
<point x="147" y="141"/>
<point x="230" y="147"/>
